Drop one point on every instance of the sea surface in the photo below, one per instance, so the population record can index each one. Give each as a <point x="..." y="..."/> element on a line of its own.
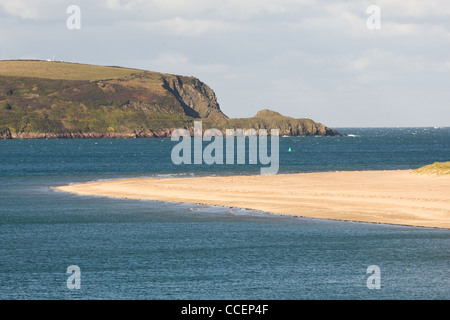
<point x="127" y="249"/>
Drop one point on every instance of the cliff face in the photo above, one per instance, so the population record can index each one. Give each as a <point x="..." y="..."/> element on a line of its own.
<point x="40" y="99"/>
<point x="196" y="98"/>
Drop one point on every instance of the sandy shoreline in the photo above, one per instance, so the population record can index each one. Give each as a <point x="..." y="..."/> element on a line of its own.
<point x="392" y="197"/>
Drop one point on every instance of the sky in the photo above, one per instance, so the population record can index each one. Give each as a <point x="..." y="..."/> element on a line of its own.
<point x="352" y="63"/>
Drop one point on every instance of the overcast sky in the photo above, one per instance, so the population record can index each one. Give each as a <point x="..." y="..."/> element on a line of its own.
<point x="302" y="58"/>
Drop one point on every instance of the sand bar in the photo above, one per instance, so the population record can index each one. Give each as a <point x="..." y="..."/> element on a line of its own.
<point x="392" y="197"/>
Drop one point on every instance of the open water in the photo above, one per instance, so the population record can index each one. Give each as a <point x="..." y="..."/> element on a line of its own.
<point x="130" y="249"/>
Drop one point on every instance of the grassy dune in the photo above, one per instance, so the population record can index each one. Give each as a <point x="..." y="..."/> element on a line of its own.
<point x="60" y="70"/>
<point x="437" y="168"/>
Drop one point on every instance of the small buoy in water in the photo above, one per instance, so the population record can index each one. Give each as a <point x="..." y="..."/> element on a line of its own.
<point x="290" y="149"/>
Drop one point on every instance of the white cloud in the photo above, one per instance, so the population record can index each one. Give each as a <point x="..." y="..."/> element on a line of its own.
<point x="176" y="63"/>
<point x="182" y="27"/>
<point x="199" y="9"/>
<point x="317" y="54"/>
<point x="224" y="9"/>
<point x="121" y="4"/>
<point x="38" y="10"/>
<point x="20" y="8"/>
<point x="415" y="8"/>
<point x="377" y="69"/>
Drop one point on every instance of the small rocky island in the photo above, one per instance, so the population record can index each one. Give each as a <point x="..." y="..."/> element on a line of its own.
<point x="45" y="100"/>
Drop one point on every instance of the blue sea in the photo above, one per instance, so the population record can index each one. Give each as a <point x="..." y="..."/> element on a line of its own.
<point x="127" y="249"/>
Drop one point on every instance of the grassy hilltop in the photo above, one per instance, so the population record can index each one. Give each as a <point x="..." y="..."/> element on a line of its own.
<point x="41" y="99"/>
<point x="62" y="71"/>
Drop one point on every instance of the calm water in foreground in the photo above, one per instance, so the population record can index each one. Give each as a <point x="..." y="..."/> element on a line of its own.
<point x="152" y="250"/>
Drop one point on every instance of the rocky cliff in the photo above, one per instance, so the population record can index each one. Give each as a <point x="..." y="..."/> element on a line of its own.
<point x="197" y="99"/>
<point x="40" y="99"/>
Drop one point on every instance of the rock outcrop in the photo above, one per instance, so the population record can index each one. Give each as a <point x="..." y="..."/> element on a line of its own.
<point x="197" y="99"/>
<point x="287" y="126"/>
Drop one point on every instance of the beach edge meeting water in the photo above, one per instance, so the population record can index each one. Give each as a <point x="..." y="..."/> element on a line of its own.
<point x="138" y="249"/>
<point x="393" y="197"/>
<point x="398" y="197"/>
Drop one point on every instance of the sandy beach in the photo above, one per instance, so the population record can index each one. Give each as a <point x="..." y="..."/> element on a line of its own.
<point x="392" y="197"/>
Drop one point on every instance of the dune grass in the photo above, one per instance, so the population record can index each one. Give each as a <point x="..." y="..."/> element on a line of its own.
<point x="437" y="168"/>
<point x="62" y="70"/>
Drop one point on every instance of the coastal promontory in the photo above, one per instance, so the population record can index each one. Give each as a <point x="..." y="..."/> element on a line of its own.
<point x="42" y="99"/>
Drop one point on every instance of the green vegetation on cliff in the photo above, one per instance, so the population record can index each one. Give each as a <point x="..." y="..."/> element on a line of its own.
<point x="40" y="99"/>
